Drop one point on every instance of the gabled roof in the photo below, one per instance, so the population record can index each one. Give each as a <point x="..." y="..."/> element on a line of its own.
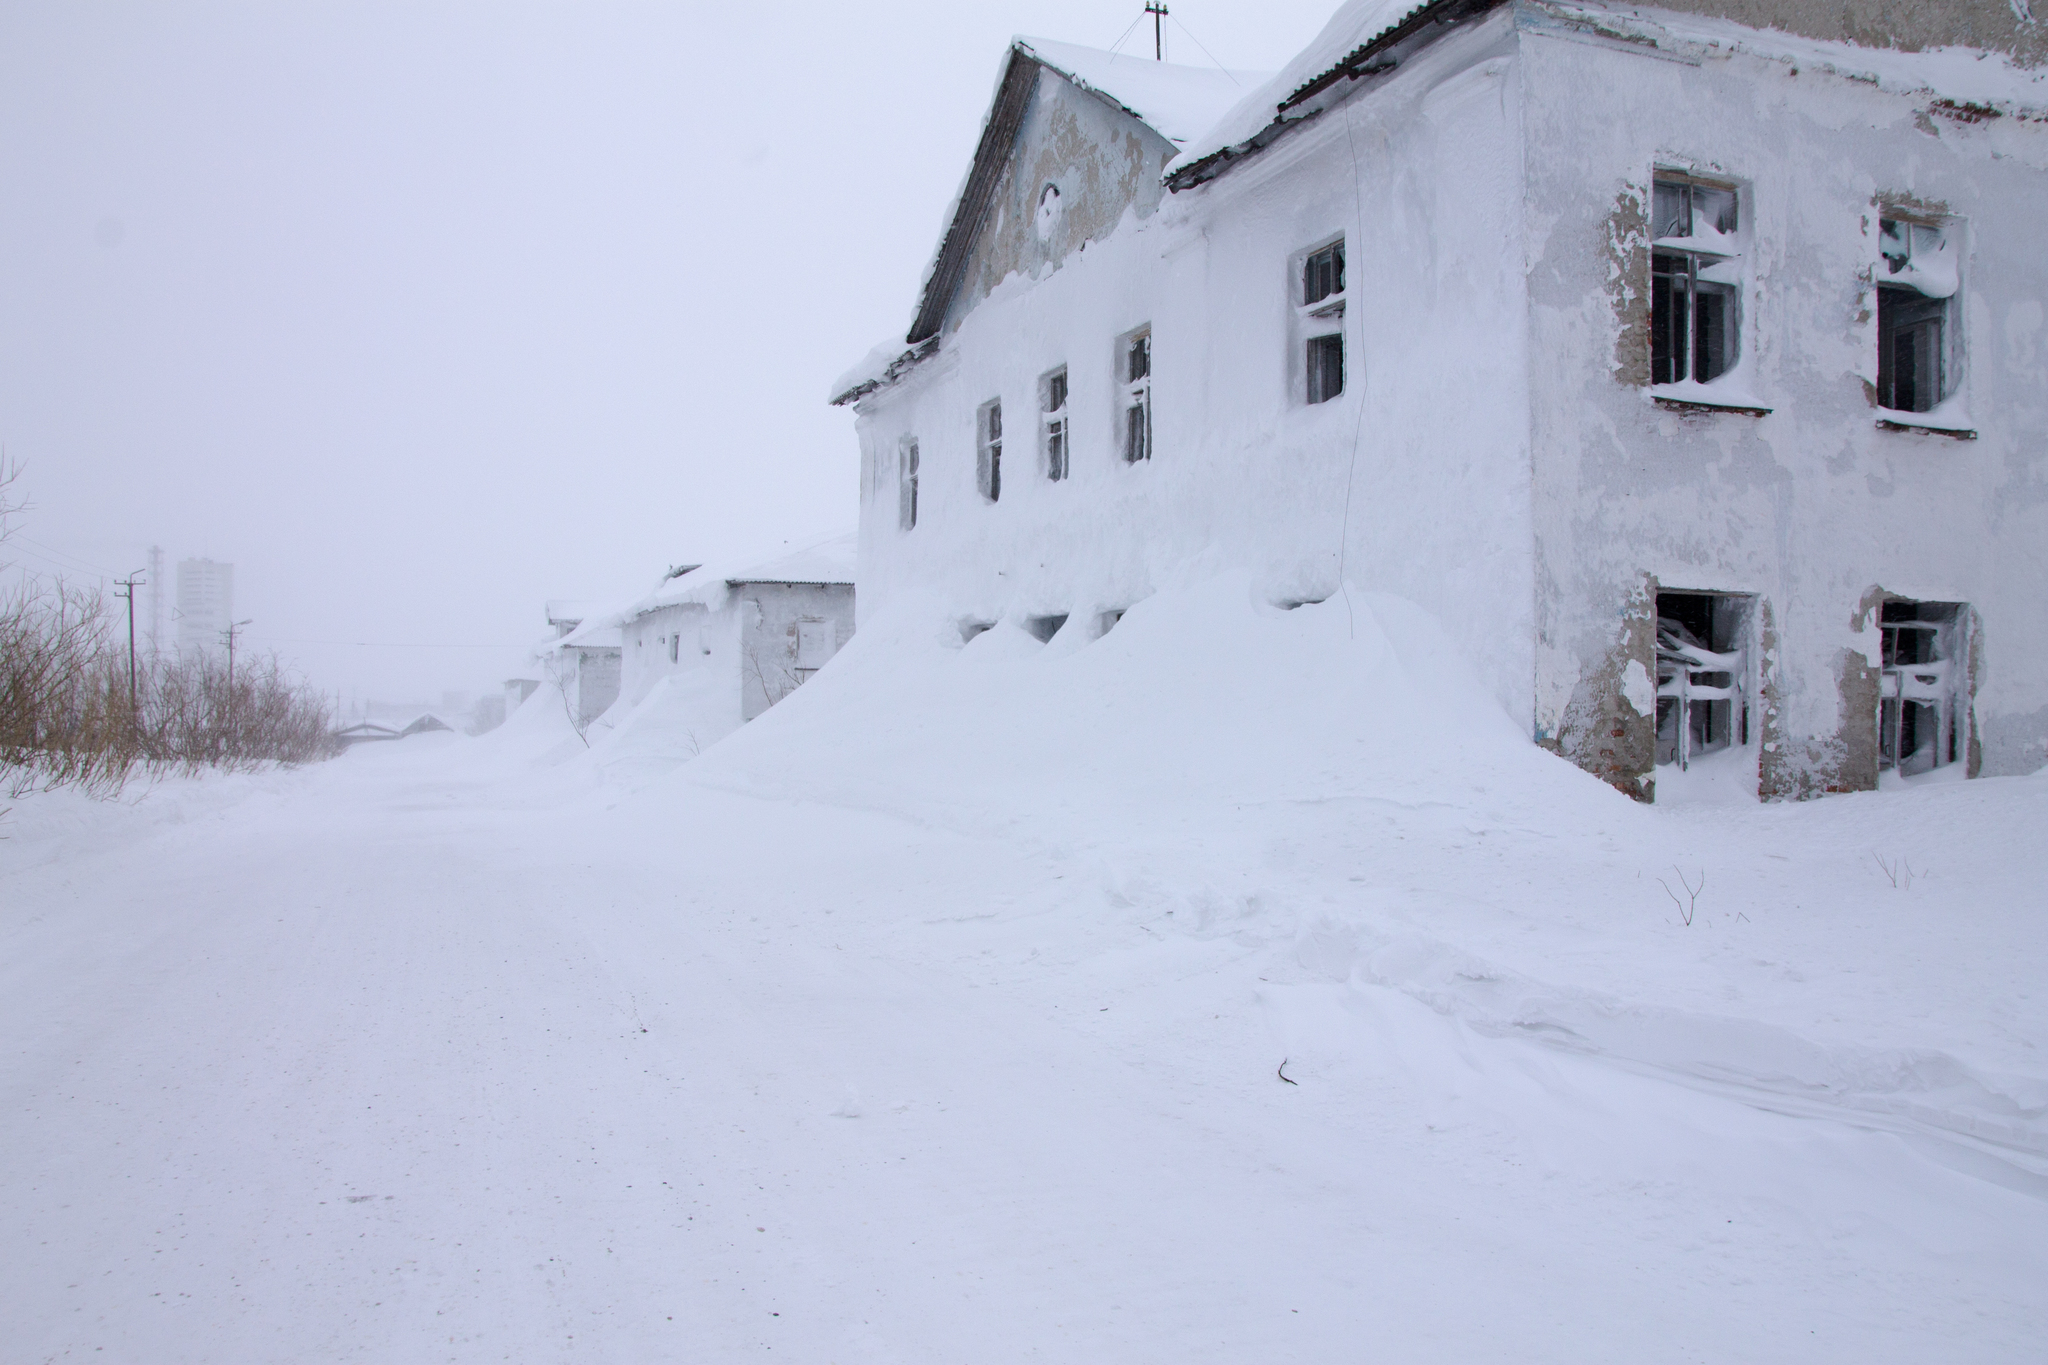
<point x="1174" y="101"/>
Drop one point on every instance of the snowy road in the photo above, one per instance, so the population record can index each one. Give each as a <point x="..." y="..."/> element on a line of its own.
<point x="373" y="1063"/>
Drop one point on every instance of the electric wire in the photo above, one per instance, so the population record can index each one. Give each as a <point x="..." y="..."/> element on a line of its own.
<point x="1126" y="33"/>
<point x="1198" y="43"/>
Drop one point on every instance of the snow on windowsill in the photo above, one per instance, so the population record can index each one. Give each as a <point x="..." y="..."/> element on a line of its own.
<point x="1720" y="396"/>
<point x="1950" y="419"/>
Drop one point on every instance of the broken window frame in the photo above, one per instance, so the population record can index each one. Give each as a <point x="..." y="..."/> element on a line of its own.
<point x="988" y="455"/>
<point x="1134" y="371"/>
<point x="1056" y="440"/>
<point x="1931" y="677"/>
<point x="1319" y="294"/>
<point x="906" y="483"/>
<point x="1323" y="359"/>
<point x="1695" y="321"/>
<point x="1694" y="678"/>
<point x="1909" y="312"/>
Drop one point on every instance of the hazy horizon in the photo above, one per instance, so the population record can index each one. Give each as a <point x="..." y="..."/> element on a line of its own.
<point x="421" y="315"/>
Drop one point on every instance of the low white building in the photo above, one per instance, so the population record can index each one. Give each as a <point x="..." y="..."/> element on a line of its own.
<point x="1694" y="375"/>
<point x="582" y="659"/>
<point x="722" y="643"/>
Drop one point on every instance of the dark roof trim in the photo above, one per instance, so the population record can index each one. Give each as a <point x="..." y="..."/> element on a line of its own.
<point x="789" y="582"/>
<point x="998" y="135"/>
<point x="897" y="368"/>
<point x="1423" y="24"/>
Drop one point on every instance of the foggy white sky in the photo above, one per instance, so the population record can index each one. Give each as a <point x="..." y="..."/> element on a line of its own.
<point x="420" y="313"/>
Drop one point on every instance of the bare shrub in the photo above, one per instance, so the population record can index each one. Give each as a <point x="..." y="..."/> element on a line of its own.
<point x="69" y="719"/>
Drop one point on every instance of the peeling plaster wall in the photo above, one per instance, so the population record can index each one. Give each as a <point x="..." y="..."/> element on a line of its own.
<point x="1105" y="164"/>
<point x="1909" y="25"/>
<point x="1810" y="506"/>
<point x="1416" y="480"/>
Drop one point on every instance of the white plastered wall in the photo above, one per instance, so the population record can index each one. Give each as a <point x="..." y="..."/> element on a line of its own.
<point x="1416" y="480"/>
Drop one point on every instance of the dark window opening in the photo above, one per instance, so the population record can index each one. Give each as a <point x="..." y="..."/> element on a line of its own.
<point x="1322" y="274"/>
<point x="1921" y="716"/>
<point x="1694" y="319"/>
<point x="988" y="464"/>
<point x="1043" y="628"/>
<point x="1703" y="683"/>
<point x="1325" y="367"/>
<point x="1909" y="329"/>
<point x="1053" y="408"/>
<point x="1105" y="623"/>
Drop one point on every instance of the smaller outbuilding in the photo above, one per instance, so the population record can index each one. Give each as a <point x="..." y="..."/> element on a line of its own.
<point x="720" y="644"/>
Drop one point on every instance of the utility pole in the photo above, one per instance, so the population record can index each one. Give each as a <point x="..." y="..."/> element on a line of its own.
<point x="234" y="629"/>
<point x="128" y="586"/>
<point x="1157" y="9"/>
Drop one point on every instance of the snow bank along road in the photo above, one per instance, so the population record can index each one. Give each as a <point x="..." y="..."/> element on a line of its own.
<point x="438" y="1052"/>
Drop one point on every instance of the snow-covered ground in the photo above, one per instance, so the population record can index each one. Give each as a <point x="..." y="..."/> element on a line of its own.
<point x="1237" y="986"/>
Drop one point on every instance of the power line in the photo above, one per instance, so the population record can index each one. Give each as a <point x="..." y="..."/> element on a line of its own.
<point x="1125" y="34"/>
<point x="380" y="644"/>
<point x="1205" y="51"/>
<point x="57" y="558"/>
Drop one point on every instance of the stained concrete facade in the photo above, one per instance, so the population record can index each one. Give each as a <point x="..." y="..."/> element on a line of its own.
<point x="1499" y="454"/>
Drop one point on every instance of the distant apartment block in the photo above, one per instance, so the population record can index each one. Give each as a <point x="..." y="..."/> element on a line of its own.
<point x="206" y="604"/>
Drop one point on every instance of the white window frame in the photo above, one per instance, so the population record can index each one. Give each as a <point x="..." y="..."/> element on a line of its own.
<point x="1927" y="262"/>
<point x="1134" y="413"/>
<point x="988" y="450"/>
<point x="1319" y="320"/>
<point x="906" y="483"/>
<point x="1056" y="429"/>
<point x="1708" y="263"/>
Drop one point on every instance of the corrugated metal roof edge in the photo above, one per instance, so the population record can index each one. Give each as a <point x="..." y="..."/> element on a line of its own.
<point x="1353" y="66"/>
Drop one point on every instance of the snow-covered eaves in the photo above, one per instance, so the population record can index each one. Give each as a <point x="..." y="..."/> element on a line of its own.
<point x="1364" y="39"/>
<point x="600" y="632"/>
<point x="1180" y="103"/>
<point x="825" y="562"/>
<point x="879" y="368"/>
<point x="1369" y="39"/>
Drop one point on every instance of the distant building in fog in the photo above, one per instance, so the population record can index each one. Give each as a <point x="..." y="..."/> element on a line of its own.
<point x="206" y="604"/>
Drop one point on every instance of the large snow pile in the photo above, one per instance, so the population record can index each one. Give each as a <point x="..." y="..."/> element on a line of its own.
<point x="1236" y="985"/>
<point x="1197" y="696"/>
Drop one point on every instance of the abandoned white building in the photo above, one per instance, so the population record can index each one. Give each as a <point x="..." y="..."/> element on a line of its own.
<point x="582" y="659"/>
<point x="714" y="646"/>
<point x="1693" y="374"/>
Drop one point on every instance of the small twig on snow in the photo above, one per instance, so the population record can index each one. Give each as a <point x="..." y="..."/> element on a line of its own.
<point x="1281" y="1072"/>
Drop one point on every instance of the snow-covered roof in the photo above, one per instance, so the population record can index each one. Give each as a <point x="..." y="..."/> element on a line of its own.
<point x="825" y="560"/>
<point x="1177" y="102"/>
<point x="1366" y="37"/>
<point x="568" y="610"/>
<point x="599" y="631"/>
<point x="1345" y="42"/>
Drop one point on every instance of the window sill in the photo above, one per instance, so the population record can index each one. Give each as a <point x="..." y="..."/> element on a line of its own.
<point x="1701" y="398"/>
<point x="1926" y="422"/>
